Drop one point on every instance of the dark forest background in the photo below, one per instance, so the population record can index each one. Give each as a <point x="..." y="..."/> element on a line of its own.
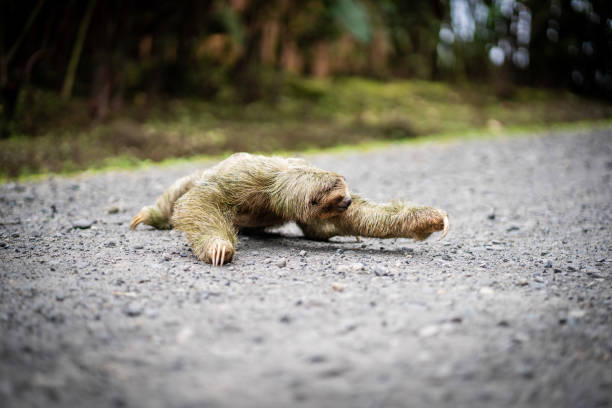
<point x="126" y="58"/>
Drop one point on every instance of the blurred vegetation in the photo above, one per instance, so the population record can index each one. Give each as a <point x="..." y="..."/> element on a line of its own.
<point x="307" y="113"/>
<point x="83" y="82"/>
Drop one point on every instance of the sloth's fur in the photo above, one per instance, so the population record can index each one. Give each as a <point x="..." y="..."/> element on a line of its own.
<point x="246" y="191"/>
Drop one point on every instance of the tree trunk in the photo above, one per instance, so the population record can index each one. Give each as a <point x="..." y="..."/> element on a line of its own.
<point x="24" y="32"/>
<point x="76" y="52"/>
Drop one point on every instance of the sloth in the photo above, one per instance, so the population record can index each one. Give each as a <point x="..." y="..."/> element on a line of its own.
<point x="249" y="192"/>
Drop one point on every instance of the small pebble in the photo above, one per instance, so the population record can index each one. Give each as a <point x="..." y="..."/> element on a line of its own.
<point x="429" y="331"/>
<point x="592" y="272"/>
<point x="338" y="287"/>
<point x="281" y="263"/>
<point x="134" y="309"/>
<point x="342" y="269"/>
<point x="317" y="358"/>
<point x="112" y="209"/>
<point x="522" y="282"/>
<point x="82" y="224"/>
<point x="520" y="337"/>
<point x="486" y="291"/>
<point x="380" y="271"/>
<point x="302" y="253"/>
<point x="184" y="335"/>
<point x="358" y="266"/>
<point x="548" y="263"/>
<point x="576" y="313"/>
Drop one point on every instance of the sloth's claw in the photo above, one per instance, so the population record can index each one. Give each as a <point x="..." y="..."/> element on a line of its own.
<point x="138" y="219"/>
<point x="446" y="227"/>
<point x="216" y="254"/>
<point x="219" y="253"/>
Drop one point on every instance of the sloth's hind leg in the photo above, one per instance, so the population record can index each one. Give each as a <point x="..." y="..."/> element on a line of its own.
<point x="151" y="215"/>
<point x="159" y="214"/>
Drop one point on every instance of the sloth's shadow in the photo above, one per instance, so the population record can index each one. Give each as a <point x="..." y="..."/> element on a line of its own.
<point x="287" y="237"/>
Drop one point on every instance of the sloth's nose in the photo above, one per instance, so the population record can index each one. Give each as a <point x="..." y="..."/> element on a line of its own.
<point x="346" y="201"/>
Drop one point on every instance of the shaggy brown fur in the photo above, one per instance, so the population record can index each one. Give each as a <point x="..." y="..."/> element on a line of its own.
<point x="247" y="191"/>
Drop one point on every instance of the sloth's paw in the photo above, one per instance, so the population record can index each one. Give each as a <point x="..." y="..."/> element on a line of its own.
<point x="432" y="220"/>
<point x="150" y="215"/>
<point x="140" y="218"/>
<point x="219" y="252"/>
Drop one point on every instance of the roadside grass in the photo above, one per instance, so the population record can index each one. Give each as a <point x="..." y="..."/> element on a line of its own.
<point x="307" y="116"/>
<point x="123" y="163"/>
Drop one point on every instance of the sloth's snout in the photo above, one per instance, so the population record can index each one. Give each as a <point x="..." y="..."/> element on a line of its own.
<point x="346" y="202"/>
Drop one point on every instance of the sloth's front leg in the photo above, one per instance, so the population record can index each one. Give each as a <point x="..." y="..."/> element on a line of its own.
<point x="207" y="222"/>
<point x="394" y="220"/>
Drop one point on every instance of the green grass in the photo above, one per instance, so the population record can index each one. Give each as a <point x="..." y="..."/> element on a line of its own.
<point x="308" y="115"/>
<point x="130" y="163"/>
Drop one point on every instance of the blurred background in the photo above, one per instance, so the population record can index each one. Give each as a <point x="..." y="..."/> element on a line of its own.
<point x="88" y="83"/>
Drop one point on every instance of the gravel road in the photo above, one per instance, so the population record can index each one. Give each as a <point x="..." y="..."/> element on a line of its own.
<point x="513" y="308"/>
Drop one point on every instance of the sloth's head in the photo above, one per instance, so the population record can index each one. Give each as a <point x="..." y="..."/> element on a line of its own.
<point x="302" y="193"/>
<point x="330" y="197"/>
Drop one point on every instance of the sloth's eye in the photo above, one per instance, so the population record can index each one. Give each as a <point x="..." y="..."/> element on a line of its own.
<point x="314" y="201"/>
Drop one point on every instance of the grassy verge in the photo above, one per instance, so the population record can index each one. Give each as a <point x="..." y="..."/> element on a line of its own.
<point x="307" y="115"/>
<point x="130" y="163"/>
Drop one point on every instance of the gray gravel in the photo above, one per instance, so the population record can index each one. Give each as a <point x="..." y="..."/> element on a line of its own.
<point x="513" y="309"/>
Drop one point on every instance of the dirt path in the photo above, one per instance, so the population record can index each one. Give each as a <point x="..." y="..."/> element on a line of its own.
<point x="514" y="308"/>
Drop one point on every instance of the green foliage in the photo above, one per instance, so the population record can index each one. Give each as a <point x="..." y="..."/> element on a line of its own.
<point x="35" y="109"/>
<point x="230" y="20"/>
<point x="309" y="114"/>
<point x="354" y="17"/>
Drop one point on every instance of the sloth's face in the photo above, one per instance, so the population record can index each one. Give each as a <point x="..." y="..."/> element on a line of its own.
<point x="333" y="198"/>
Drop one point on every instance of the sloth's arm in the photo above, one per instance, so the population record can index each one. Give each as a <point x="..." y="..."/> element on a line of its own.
<point x="207" y="222"/>
<point x="367" y="219"/>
